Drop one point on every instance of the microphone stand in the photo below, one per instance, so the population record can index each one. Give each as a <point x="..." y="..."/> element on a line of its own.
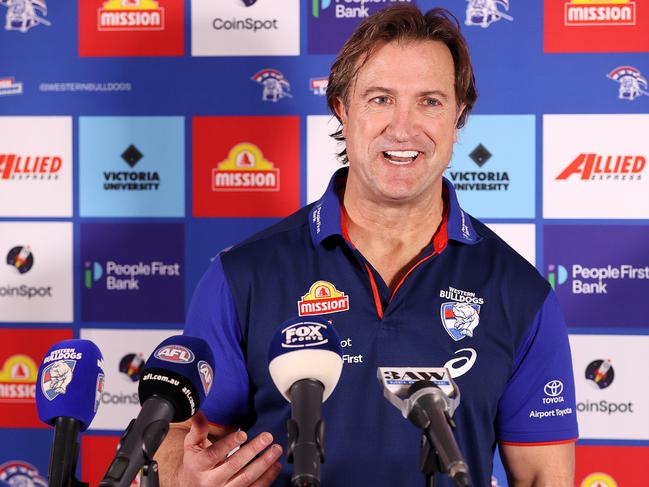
<point x="66" y="432"/>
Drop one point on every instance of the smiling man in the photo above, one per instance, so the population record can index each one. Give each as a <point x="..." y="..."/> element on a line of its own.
<point x="411" y="274"/>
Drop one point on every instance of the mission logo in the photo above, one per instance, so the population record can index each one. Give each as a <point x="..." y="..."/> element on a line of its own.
<point x="130" y="15"/>
<point x="131" y="27"/>
<point x="322" y="298"/>
<point x="245" y="169"/>
<point x="245" y="166"/>
<point x="595" y="26"/>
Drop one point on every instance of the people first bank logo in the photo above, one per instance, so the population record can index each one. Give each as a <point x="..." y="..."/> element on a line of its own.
<point x="132" y="272"/>
<point x="131" y="27"/>
<point x="331" y="22"/>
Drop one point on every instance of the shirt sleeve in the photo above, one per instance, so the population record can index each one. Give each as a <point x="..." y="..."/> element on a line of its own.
<point x="212" y="316"/>
<point x="538" y="404"/>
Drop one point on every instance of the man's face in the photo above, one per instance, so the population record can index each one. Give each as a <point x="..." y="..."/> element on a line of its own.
<point x="399" y="123"/>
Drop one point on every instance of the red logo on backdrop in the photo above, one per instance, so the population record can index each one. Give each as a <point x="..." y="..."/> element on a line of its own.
<point x="596" y="26"/>
<point x="19" y="360"/>
<point x="131" y="28"/>
<point x="611" y="466"/>
<point x="588" y="12"/>
<point x="130" y="15"/>
<point x="245" y="169"/>
<point x="605" y="167"/>
<point x="238" y="163"/>
<point x="21" y="166"/>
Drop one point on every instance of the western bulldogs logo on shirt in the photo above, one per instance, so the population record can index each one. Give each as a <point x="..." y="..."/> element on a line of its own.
<point x="460" y="316"/>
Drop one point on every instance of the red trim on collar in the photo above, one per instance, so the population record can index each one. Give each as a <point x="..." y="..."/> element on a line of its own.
<point x="440" y="241"/>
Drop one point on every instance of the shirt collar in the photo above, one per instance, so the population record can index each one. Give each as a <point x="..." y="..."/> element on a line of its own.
<point x="325" y="214"/>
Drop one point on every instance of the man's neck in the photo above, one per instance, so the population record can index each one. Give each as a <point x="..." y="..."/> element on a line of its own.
<point x="391" y="237"/>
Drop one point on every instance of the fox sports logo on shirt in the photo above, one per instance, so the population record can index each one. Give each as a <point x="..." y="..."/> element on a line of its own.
<point x="304" y="334"/>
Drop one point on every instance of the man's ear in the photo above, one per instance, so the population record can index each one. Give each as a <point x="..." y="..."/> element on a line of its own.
<point x="459" y="114"/>
<point x="341" y="112"/>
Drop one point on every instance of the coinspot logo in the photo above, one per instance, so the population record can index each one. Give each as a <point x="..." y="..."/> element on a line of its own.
<point x="601" y="373"/>
<point x="21" y="259"/>
<point x="557" y="275"/>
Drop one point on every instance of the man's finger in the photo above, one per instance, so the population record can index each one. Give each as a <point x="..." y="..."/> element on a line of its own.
<point x="197" y="435"/>
<point x="269" y="476"/>
<point x="217" y="453"/>
<point x="238" y="461"/>
<point x="255" y="470"/>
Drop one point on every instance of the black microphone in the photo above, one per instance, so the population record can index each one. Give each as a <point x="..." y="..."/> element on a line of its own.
<point x="305" y="363"/>
<point x="431" y="411"/>
<point x="175" y="381"/>
<point x="70" y="382"/>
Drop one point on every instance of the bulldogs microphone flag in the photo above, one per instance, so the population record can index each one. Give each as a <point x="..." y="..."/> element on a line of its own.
<point x="69" y="386"/>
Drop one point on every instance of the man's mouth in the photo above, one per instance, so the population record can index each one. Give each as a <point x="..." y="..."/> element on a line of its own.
<point x="401" y="157"/>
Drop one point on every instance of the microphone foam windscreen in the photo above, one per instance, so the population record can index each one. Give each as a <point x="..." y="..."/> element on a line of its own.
<point x="70" y="382"/>
<point x="305" y="348"/>
<point x="180" y="370"/>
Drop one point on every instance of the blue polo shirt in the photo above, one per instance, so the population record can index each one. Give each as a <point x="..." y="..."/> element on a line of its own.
<point x="470" y="303"/>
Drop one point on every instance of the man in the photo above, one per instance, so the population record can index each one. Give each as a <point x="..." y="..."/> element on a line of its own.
<point x="419" y="274"/>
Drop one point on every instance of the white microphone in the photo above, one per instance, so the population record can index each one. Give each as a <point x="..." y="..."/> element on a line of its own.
<point x="305" y="363"/>
<point x="428" y="397"/>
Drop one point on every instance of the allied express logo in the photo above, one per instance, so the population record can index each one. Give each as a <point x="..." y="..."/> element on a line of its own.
<point x="245" y="169"/>
<point x="133" y="15"/>
<point x="605" y="167"/>
<point x="599" y="12"/>
<point x="323" y="297"/>
<point x="18" y="380"/>
<point x="14" y="166"/>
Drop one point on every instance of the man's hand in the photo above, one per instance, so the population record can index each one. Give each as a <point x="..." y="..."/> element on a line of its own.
<point x="206" y="463"/>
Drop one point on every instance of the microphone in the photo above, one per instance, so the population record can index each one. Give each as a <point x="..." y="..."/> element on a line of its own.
<point x="69" y="385"/>
<point x="305" y="363"/>
<point x="428" y="397"/>
<point x="175" y="381"/>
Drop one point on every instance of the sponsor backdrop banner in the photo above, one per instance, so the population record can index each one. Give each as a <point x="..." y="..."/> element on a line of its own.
<point x="138" y="138"/>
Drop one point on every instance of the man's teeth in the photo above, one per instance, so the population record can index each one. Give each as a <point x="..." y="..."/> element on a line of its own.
<point x="402" y="153"/>
<point x="401" y="156"/>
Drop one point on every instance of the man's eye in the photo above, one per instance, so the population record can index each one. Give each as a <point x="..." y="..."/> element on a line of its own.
<point x="380" y="100"/>
<point x="431" y="102"/>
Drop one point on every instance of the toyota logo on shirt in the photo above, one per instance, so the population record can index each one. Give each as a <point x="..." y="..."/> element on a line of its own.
<point x="553" y="388"/>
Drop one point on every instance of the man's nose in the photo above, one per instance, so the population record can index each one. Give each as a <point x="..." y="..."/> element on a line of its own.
<point x="403" y="124"/>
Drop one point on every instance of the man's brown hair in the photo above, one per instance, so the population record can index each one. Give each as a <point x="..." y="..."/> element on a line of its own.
<point x="403" y="22"/>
